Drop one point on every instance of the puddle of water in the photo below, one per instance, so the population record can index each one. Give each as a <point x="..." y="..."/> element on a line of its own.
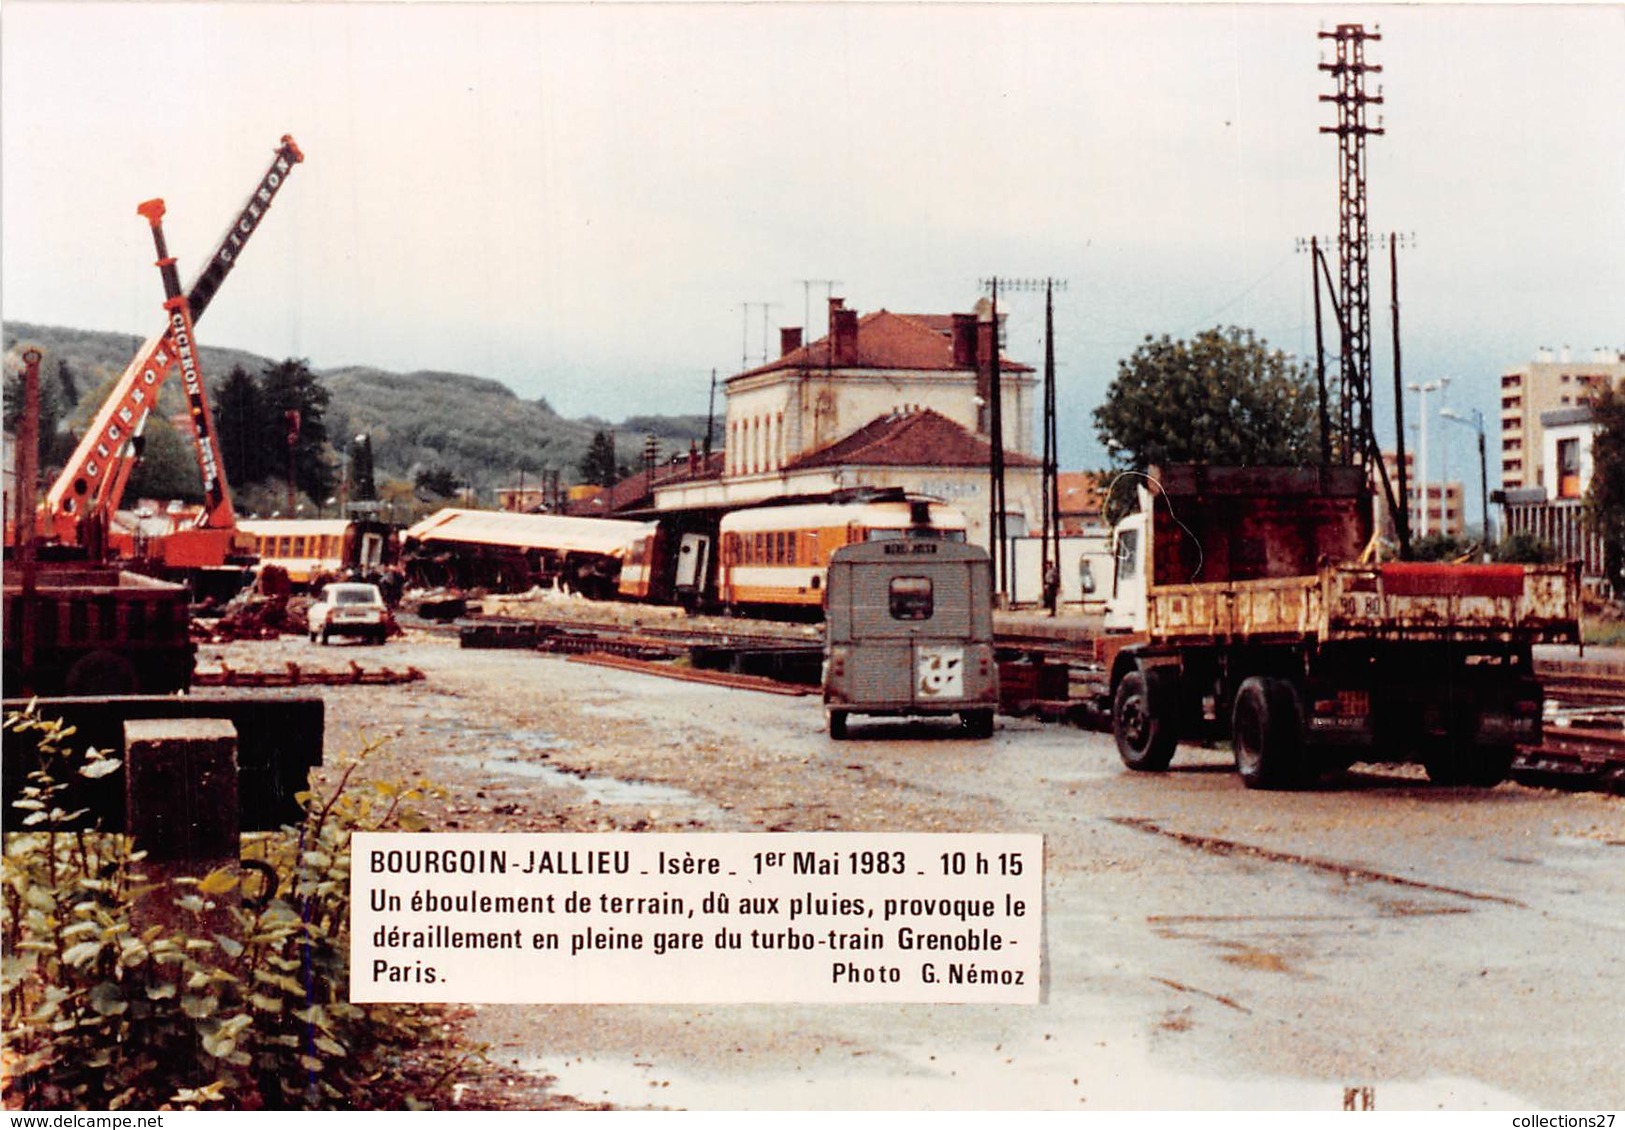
<point x="603" y="790"/>
<point x="1121" y="1078"/>
<point x="519" y="753"/>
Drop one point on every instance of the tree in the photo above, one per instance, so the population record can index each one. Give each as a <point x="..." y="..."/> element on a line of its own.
<point x="67" y="382"/>
<point x="56" y="440"/>
<point x="168" y="466"/>
<point x="1224" y="398"/>
<point x="598" y="466"/>
<point x="1605" y="499"/>
<point x="245" y="435"/>
<point x="363" y="484"/>
<point x="437" y="481"/>
<point x="288" y="387"/>
<point x="1524" y="548"/>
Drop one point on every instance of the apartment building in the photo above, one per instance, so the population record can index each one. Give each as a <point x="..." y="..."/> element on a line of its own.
<point x="1552" y="382"/>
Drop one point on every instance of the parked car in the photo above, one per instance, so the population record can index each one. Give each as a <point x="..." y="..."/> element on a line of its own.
<point x="350" y="609"/>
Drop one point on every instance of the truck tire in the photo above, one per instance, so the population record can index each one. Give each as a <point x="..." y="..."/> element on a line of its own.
<point x="1266" y="734"/>
<point x="837" y="725"/>
<point x="1144" y="712"/>
<point x="1491" y="765"/>
<point x="1482" y="766"/>
<point x="101" y="672"/>
<point x="977" y="723"/>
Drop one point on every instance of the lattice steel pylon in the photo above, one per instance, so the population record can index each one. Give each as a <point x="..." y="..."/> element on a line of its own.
<point x="1356" y="422"/>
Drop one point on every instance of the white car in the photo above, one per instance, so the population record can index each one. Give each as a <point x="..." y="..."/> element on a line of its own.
<point x="349" y="609"/>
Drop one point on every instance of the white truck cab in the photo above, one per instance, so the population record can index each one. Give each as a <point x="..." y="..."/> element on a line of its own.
<point x="1125" y="604"/>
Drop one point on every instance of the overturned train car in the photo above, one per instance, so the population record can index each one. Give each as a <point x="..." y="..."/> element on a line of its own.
<point x="500" y="551"/>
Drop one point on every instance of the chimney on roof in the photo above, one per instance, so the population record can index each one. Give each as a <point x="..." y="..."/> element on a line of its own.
<point x="789" y="340"/>
<point x="843" y="332"/>
<point x="987" y="338"/>
<point x="964" y="341"/>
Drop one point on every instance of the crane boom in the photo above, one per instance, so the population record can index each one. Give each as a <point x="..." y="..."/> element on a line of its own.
<point x="225" y="256"/>
<point x="91" y="485"/>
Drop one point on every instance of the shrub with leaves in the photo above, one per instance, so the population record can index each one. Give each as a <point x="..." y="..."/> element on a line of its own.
<point x="101" y="1012"/>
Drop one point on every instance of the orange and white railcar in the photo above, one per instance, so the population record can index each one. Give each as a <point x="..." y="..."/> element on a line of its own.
<point x="776" y="558"/>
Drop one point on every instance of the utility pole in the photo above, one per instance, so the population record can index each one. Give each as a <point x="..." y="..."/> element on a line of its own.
<point x="1422" y="391"/>
<point x="1049" y="502"/>
<point x="999" y="544"/>
<point x="710" y="417"/>
<point x="765" y="307"/>
<point x="806" y="305"/>
<point x="1402" y="514"/>
<point x="1051" y="567"/>
<point x="27" y="491"/>
<point x="1353" y="247"/>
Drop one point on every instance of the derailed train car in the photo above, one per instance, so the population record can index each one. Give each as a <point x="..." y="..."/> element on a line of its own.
<point x="767" y="560"/>
<point x="772" y="560"/>
<point x="500" y="551"/>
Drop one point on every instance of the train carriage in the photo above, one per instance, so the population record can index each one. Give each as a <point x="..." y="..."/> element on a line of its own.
<point x="502" y="551"/>
<point x="774" y="559"/>
<point x="310" y="549"/>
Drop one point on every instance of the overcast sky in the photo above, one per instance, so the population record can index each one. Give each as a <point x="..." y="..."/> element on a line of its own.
<point x="577" y="200"/>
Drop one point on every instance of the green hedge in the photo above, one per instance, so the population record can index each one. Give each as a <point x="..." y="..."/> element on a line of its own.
<point x="102" y="1015"/>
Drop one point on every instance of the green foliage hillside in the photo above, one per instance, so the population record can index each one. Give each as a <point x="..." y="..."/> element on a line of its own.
<point x="478" y="429"/>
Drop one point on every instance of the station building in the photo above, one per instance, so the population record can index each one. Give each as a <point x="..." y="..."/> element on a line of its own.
<point x="883" y="400"/>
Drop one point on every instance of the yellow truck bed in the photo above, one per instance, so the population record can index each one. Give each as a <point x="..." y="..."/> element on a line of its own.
<point x="1511" y="603"/>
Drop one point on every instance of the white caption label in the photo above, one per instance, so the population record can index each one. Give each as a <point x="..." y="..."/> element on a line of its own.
<point x="696" y="918"/>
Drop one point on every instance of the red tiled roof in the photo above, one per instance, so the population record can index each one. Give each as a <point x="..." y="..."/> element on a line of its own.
<point x="913" y="439"/>
<point x="888" y="341"/>
<point x="1079" y="492"/>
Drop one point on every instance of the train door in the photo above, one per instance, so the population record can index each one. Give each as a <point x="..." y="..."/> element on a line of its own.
<point x="693" y="564"/>
<point x="371" y="556"/>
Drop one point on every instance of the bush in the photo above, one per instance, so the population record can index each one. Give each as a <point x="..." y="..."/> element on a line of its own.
<point x="1525" y="549"/>
<point x="102" y="1013"/>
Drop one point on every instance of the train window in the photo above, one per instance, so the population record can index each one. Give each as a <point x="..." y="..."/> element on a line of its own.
<point x="299" y="546"/>
<point x="884" y="535"/>
<point x="910" y="598"/>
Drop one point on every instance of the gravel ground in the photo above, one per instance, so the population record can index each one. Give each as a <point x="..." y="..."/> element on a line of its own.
<point x="1206" y="947"/>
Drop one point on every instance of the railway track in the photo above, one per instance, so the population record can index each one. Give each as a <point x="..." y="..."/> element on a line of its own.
<point x="1585" y="728"/>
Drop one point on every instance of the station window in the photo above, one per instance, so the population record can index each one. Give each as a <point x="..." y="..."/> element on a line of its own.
<point x="911" y="598"/>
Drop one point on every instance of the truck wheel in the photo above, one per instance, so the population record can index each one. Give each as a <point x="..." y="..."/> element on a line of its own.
<point x="1491" y="765"/>
<point x="1265" y="732"/>
<point x="1143" y="719"/>
<point x="1483" y="766"/>
<point x="977" y="723"/>
<point x="837" y="725"/>
<point x="100" y="672"/>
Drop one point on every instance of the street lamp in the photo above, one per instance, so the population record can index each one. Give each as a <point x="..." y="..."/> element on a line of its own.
<point x="1422" y="450"/>
<point x="1477" y="424"/>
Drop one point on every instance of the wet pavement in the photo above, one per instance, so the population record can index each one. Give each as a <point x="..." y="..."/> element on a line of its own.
<point x="1377" y="938"/>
